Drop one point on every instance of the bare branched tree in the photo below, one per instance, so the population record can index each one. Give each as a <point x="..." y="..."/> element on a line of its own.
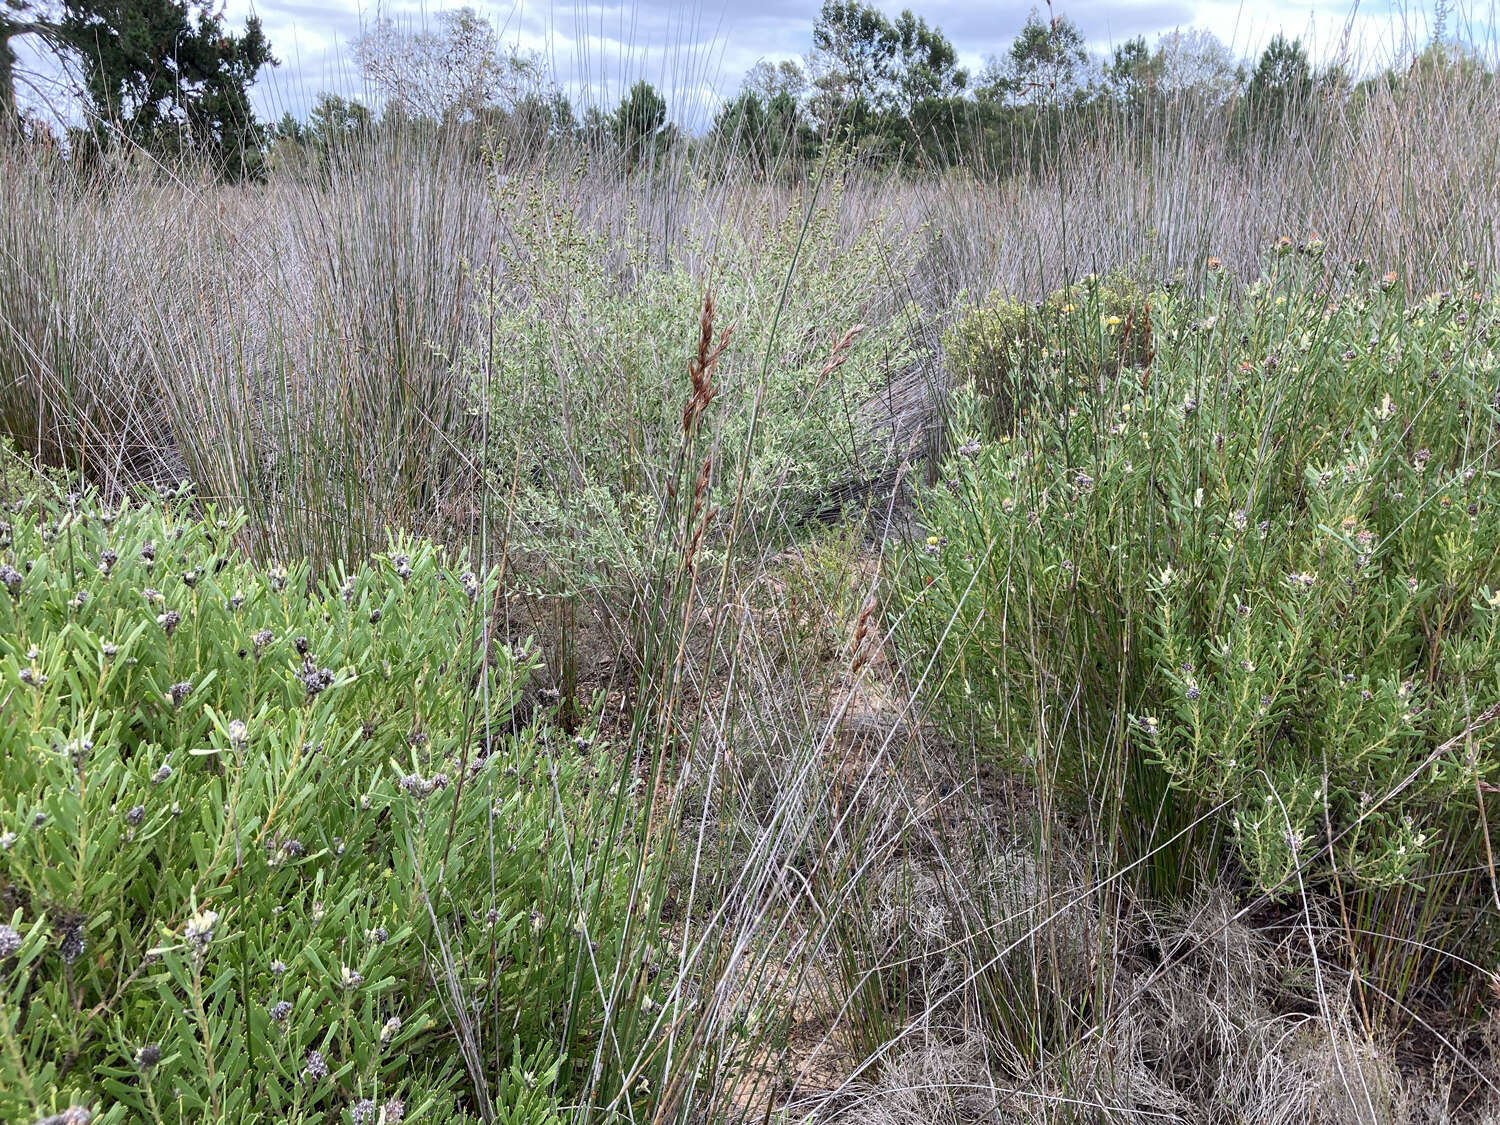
<point x="452" y="72"/>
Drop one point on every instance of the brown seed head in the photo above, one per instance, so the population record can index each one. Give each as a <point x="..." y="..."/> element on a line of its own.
<point x="701" y="365"/>
<point x="839" y="355"/>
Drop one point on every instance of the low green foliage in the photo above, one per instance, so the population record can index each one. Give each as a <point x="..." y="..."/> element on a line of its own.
<point x="1010" y="352"/>
<point x="255" y="831"/>
<point x="1250" y="590"/>
<point x="588" y="380"/>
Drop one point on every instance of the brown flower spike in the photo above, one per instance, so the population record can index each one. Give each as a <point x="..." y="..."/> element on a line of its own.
<point x="701" y="366"/>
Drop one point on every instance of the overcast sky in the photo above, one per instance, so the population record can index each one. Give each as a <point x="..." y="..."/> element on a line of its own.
<point x="697" y="52"/>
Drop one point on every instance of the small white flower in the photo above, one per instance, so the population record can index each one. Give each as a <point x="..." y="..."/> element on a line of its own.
<point x="200" y="928"/>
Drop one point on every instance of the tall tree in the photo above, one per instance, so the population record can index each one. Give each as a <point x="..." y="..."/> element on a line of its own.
<point x="1281" y="84"/>
<point x="740" y="128"/>
<point x="767" y="80"/>
<point x="871" y="73"/>
<point x="858" y="46"/>
<point x="14" y="23"/>
<point x="640" y="122"/>
<point x="1197" y="61"/>
<point x="538" y="117"/>
<point x="450" y="73"/>
<point x="166" y="74"/>
<point x="926" y="67"/>
<point x="1044" y="64"/>
<point x="1133" y="74"/>
<point x="336" y="121"/>
<point x="765" y="122"/>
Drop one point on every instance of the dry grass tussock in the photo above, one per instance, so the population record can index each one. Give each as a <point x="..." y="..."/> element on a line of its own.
<point x="1200" y="1032"/>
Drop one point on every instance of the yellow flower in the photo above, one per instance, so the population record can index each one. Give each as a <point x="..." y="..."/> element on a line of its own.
<point x="932" y="540"/>
<point x="1070" y="308"/>
<point x="1111" y="320"/>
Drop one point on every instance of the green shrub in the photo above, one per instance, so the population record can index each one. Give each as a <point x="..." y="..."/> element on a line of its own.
<point x="254" y="833"/>
<point x="588" y="378"/>
<point x="1254" y="591"/>
<point x="21" y="477"/>
<point x="1011" y="353"/>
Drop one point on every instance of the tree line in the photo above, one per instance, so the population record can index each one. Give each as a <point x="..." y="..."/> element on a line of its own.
<point x="169" y="77"/>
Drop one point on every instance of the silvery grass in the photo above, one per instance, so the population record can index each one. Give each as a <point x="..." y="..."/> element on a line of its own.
<point x="244" y="336"/>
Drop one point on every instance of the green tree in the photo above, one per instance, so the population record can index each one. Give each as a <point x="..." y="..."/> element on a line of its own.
<point x="1133" y="74"/>
<point x="640" y="122"/>
<point x="165" y="74"/>
<point x="1442" y="63"/>
<point x="1044" y="64"/>
<point x="541" y="117"/>
<point x="335" y="121"/>
<point x="926" y="64"/>
<point x="787" y="126"/>
<point x="740" y="129"/>
<point x="289" y="129"/>
<point x="1281" y="84"/>
<point x="168" y="75"/>
<point x="875" y="77"/>
<point x="857" y="47"/>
